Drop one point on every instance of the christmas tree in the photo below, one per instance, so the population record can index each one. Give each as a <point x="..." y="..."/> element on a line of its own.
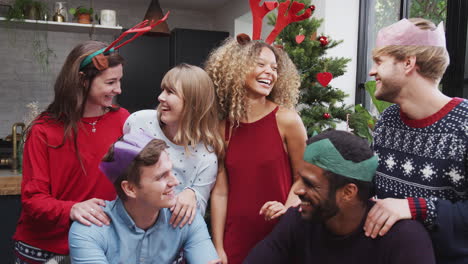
<point x="321" y="106"/>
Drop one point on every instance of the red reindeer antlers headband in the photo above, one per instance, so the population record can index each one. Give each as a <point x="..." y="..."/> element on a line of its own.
<point x="285" y="16"/>
<point x="98" y="58"/>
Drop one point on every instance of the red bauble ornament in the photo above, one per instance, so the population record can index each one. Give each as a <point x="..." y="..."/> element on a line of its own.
<point x="312" y="8"/>
<point x="326" y="115"/>
<point x="323" y="40"/>
<point x="324" y="78"/>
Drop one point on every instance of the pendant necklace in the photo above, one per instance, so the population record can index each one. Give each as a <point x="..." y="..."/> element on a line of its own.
<point x="93" y="124"/>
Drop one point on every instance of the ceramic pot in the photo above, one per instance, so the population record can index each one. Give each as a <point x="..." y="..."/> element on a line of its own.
<point x="84" y="18"/>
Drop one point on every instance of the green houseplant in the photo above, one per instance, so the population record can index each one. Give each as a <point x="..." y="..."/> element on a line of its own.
<point x="27" y="9"/>
<point x="82" y="14"/>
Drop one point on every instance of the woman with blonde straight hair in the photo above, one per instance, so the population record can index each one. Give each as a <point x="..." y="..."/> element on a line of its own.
<point x="186" y="119"/>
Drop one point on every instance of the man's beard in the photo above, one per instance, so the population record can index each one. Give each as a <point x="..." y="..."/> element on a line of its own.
<point x="389" y="90"/>
<point x="324" y="211"/>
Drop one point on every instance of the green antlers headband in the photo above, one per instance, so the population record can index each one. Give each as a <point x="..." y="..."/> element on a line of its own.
<point x="90" y="57"/>
<point x="323" y="154"/>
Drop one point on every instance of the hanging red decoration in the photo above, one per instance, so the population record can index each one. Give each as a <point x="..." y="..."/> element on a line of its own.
<point x="324" y="78"/>
<point x="300" y="38"/>
<point x="312" y="7"/>
<point x="326" y="115"/>
<point x="323" y="41"/>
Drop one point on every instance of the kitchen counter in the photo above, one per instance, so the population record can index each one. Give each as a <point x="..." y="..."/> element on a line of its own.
<point x="10" y="183"/>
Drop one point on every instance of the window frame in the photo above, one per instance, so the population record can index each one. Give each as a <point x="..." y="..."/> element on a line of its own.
<point x="456" y="36"/>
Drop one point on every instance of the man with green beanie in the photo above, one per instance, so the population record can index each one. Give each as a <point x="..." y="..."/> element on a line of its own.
<point x="336" y="177"/>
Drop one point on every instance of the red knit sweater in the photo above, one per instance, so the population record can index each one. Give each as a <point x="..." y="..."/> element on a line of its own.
<point x="54" y="180"/>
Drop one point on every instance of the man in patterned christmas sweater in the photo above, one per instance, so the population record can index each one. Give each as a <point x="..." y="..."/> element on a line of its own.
<point x="421" y="141"/>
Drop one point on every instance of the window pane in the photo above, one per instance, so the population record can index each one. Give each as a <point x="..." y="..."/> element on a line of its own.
<point x="434" y="10"/>
<point x="382" y="13"/>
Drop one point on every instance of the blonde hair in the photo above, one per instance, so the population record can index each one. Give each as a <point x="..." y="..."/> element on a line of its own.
<point x="199" y="120"/>
<point x="228" y="67"/>
<point x="431" y="61"/>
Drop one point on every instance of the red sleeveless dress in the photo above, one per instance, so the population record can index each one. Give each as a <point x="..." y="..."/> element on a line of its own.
<point x="258" y="171"/>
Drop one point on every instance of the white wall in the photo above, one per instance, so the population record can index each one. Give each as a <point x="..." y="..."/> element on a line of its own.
<point x="243" y="24"/>
<point x="226" y="16"/>
<point x="341" y="22"/>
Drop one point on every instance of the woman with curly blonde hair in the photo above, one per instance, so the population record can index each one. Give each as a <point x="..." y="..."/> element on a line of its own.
<point x="257" y="87"/>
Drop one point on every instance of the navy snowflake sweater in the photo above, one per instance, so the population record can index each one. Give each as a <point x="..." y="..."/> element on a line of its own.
<point x="426" y="161"/>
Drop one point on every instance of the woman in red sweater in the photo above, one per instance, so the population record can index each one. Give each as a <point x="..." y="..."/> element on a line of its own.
<point x="63" y="147"/>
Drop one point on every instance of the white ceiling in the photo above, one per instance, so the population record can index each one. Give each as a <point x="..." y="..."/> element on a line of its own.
<point x="200" y="5"/>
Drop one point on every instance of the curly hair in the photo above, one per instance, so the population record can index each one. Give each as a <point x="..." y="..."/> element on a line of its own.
<point x="228" y="66"/>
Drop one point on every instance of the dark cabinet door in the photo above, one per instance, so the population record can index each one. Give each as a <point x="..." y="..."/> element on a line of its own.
<point x="148" y="58"/>
<point x="10" y="206"/>
<point x="193" y="46"/>
<point x="146" y="62"/>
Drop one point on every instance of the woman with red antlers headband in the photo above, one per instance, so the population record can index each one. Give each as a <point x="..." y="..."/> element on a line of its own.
<point x="257" y="86"/>
<point x="63" y="148"/>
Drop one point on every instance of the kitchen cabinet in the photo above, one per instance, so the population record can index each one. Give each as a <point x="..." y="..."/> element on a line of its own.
<point x="146" y="60"/>
<point x="193" y="46"/>
<point x="149" y="57"/>
<point x="10" y="206"/>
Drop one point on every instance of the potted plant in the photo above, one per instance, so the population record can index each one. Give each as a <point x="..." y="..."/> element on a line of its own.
<point x="29" y="9"/>
<point x="82" y="14"/>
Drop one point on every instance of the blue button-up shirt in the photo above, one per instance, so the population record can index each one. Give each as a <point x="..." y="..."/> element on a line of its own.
<point x="123" y="242"/>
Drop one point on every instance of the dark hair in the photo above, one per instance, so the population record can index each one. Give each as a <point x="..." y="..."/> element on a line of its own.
<point x="71" y="93"/>
<point x="353" y="148"/>
<point x="148" y="156"/>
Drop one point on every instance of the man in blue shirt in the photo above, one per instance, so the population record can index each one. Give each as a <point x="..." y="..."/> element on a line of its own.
<point x="139" y="231"/>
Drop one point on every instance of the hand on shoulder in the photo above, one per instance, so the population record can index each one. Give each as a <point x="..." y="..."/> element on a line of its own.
<point x="384" y="214"/>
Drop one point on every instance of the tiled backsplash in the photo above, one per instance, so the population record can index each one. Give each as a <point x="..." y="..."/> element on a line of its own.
<point x="22" y="78"/>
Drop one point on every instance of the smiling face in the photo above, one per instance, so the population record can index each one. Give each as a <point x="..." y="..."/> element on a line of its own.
<point x="104" y="87"/>
<point x="388" y="74"/>
<point x="260" y="81"/>
<point x="156" y="188"/>
<point x="171" y="105"/>
<point x="317" y="203"/>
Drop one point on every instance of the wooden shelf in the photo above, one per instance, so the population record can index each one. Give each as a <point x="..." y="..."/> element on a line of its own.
<point x="63" y="26"/>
